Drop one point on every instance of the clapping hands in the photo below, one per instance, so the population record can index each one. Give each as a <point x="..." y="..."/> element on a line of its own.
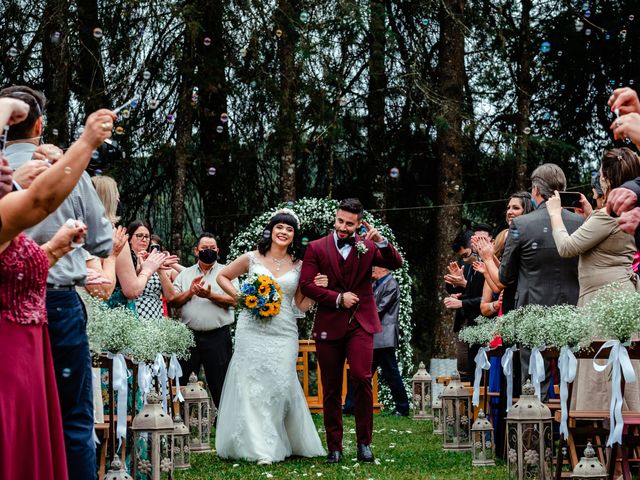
<point x="455" y="276"/>
<point x="199" y="289"/>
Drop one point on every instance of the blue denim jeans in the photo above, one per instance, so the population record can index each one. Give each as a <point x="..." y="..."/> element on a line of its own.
<point x="72" y="363"/>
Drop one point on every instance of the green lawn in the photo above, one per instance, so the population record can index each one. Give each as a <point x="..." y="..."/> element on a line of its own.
<point x="404" y="449"/>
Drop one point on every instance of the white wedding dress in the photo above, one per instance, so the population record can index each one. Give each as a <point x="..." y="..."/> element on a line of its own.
<point x="263" y="413"/>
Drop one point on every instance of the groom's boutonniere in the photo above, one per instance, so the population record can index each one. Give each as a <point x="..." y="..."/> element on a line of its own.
<point x="361" y="248"/>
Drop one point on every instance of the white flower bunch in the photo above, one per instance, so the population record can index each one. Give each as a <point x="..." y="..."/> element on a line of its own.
<point x="568" y="326"/>
<point x="532" y="330"/>
<point x="479" y="334"/>
<point x="109" y="329"/>
<point x="147" y="340"/>
<point x="615" y="313"/>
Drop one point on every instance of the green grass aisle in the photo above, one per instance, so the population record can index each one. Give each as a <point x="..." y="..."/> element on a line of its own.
<point x="404" y="449"/>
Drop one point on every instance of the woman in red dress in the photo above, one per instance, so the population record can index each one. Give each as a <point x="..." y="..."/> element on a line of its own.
<point x="31" y="437"/>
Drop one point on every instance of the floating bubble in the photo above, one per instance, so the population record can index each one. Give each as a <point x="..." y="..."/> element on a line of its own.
<point x="125" y="113"/>
<point x="546" y="116"/>
<point x="545" y="229"/>
<point x="97" y="33"/>
<point x="290" y="170"/>
<point x="141" y="130"/>
<point x="560" y="53"/>
<point x="631" y="82"/>
<point x="146" y="74"/>
<point x="456" y="187"/>
<point x="153" y="104"/>
<point x="394" y="172"/>
<point x="631" y="18"/>
<point x="67" y="170"/>
<point x="211" y="171"/>
<point x="171" y="118"/>
<point x="545" y="47"/>
<point x="54" y="132"/>
<point x="587" y="32"/>
<point x="134" y="103"/>
<point x="20" y="276"/>
<point x="206" y="41"/>
<point x="585" y="6"/>
<point x="526" y="130"/>
<point x="278" y="33"/>
<point x="424" y="22"/>
<point x="304" y="241"/>
<point x="323" y="335"/>
<point x="55" y="37"/>
<point x="224" y="117"/>
<point x="563" y="86"/>
<point x="266" y="234"/>
<point x="579" y="25"/>
<point x="13" y="52"/>
<point x="534" y="245"/>
<point x="607" y="36"/>
<point x="98" y="171"/>
<point x="219" y="129"/>
<point x="119" y="131"/>
<point x="612" y="82"/>
<point x="623" y="35"/>
<point x="243" y="52"/>
<point x="304" y="17"/>
<point x="95" y="155"/>
<point x="66" y="372"/>
<point x="290" y="204"/>
<point x="253" y="83"/>
<point x="587" y="13"/>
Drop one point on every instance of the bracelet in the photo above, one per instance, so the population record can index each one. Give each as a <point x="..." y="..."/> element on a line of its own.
<point x="493" y="309"/>
<point x="48" y="248"/>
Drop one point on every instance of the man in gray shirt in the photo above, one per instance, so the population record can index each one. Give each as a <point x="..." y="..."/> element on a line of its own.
<point x="66" y="315"/>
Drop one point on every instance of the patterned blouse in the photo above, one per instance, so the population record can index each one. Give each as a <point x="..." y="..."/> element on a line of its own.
<point x="149" y="303"/>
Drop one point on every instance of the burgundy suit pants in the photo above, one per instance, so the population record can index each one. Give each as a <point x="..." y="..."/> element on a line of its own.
<point x="357" y="347"/>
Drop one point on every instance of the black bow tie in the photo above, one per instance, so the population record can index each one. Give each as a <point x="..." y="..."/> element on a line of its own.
<point x="346" y="241"/>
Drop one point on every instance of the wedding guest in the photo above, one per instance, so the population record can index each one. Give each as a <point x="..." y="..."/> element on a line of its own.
<point x="606" y="256"/>
<point x="206" y="311"/>
<point x="29" y="379"/>
<point x="66" y="316"/>
<point x="531" y="260"/>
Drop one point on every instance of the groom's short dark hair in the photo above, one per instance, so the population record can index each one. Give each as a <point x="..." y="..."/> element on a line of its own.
<point x="352" y="205"/>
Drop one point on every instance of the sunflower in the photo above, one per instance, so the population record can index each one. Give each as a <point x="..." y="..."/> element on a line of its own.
<point x="264" y="279"/>
<point x="276" y="308"/>
<point x="264" y="289"/>
<point x="267" y="310"/>
<point x="251" y="301"/>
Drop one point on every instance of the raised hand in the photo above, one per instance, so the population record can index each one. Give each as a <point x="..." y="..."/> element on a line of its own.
<point x="621" y="200"/>
<point x="372" y="233"/>
<point x="26" y="173"/>
<point x="484" y="248"/>
<point x="98" y="128"/>
<point x="194" y="284"/>
<point x="201" y="291"/>
<point x="624" y="100"/>
<point x="120" y="238"/>
<point x="48" y="152"/>
<point x="153" y="262"/>
<point x="627" y="126"/>
<point x="12" y="111"/>
<point x="480" y="267"/>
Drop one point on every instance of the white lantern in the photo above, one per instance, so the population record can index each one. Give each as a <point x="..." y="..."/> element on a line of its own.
<point x="152" y="435"/>
<point x="529" y="438"/>
<point x="437" y="416"/>
<point x="181" y="452"/>
<point x="117" y="471"/>
<point x="589" y="467"/>
<point x="421" y="388"/>
<point x="195" y="412"/>
<point x="483" y="441"/>
<point x="456" y="414"/>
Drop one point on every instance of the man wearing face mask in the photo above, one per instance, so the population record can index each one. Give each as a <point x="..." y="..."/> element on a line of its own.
<point x="465" y="286"/>
<point x="205" y="310"/>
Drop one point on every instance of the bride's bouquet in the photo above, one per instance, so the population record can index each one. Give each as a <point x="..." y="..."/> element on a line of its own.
<point x="261" y="295"/>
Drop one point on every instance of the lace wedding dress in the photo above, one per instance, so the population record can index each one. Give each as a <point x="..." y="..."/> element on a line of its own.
<point x="263" y="414"/>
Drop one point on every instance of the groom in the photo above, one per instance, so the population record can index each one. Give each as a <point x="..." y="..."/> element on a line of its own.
<point x="347" y="318"/>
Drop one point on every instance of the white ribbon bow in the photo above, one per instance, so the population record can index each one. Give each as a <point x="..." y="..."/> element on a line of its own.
<point x="120" y="376"/>
<point x="144" y="380"/>
<point x="507" y="369"/>
<point x="568" y="366"/>
<point x="620" y="363"/>
<point x="175" y="372"/>
<point x="160" y="371"/>
<point x="536" y="368"/>
<point x="482" y="363"/>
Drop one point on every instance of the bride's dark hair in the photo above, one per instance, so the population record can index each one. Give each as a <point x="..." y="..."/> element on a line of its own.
<point x="295" y="247"/>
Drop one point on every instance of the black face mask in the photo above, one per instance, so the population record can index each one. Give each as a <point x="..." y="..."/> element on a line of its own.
<point x="208" y="256"/>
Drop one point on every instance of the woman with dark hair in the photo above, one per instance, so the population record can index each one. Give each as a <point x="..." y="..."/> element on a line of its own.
<point x="263" y="414"/>
<point x="137" y="271"/>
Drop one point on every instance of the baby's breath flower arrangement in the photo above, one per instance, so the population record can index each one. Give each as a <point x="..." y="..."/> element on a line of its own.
<point x="568" y="326"/>
<point x="479" y="334"/>
<point x="532" y="331"/>
<point x="109" y="329"/>
<point x="317" y="216"/>
<point x="615" y="313"/>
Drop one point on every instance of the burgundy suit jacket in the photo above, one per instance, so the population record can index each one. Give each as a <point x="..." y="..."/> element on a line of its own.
<point x="354" y="275"/>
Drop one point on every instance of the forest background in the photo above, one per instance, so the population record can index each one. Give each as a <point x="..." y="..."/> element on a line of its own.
<point x="432" y="112"/>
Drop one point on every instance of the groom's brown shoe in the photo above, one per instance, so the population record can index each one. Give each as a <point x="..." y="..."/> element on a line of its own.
<point x="334" y="456"/>
<point x="364" y="453"/>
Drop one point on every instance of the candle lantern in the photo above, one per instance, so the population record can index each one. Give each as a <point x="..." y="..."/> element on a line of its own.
<point x="437" y="416"/>
<point x="529" y="438"/>
<point x="195" y="412"/>
<point x="117" y="471"/>
<point x="181" y="451"/>
<point x="152" y="435"/>
<point x="483" y="441"/>
<point x="421" y="388"/>
<point x="456" y="415"/>
<point x="589" y="467"/>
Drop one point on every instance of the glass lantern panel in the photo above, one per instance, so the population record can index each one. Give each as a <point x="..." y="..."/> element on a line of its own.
<point x="205" y="422"/>
<point x="547" y="435"/>
<point x="512" y="451"/>
<point x="194" y="422"/>
<point x="178" y="451"/>
<point x="462" y="410"/>
<point x="437" y="421"/>
<point x="143" y="448"/>
<point x="166" y="465"/>
<point x="450" y="421"/>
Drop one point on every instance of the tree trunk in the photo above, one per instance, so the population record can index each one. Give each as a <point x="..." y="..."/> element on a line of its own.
<point x="56" y="70"/>
<point x="376" y="103"/>
<point x="89" y="66"/>
<point x="288" y="13"/>
<point x="449" y="150"/>
<point x="523" y="95"/>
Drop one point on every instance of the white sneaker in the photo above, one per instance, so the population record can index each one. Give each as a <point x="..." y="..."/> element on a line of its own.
<point x="264" y="461"/>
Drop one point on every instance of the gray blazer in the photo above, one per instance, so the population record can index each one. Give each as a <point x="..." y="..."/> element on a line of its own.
<point x="387" y="297"/>
<point x="531" y="258"/>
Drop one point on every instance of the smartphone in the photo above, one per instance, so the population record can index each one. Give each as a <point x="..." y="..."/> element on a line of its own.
<point x="154" y="248"/>
<point x="362" y="231"/>
<point x="570" y="200"/>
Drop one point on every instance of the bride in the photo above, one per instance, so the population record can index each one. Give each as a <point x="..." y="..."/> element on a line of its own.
<point x="263" y="415"/>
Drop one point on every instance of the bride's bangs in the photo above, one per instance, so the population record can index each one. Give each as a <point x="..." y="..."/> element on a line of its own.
<point x="284" y="218"/>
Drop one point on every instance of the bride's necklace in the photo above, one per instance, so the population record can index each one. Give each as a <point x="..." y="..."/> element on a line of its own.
<point x="278" y="262"/>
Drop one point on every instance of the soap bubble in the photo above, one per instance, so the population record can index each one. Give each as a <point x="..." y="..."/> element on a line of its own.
<point x="607" y="36"/>
<point x="623" y="35"/>
<point x="560" y="53"/>
<point x="95" y="155"/>
<point x="587" y="13"/>
<point x="545" y="47"/>
<point x="13" y="52"/>
<point x="97" y="33"/>
<point x="66" y="372"/>
<point x="278" y="33"/>
<point x="579" y="25"/>
<point x="424" y="22"/>
<point x="119" y="131"/>
<point x="67" y="170"/>
<point x="55" y="37"/>
<point x="526" y="130"/>
<point x="206" y="41"/>
<point x="153" y="104"/>
<point x="125" y="113"/>
<point x="304" y="17"/>
<point x="211" y="171"/>
<point x="171" y="118"/>
<point x="534" y="245"/>
<point x="146" y="74"/>
<point x="587" y="32"/>
<point x="266" y="233"/>
<point x="546" y="116"/>
<point x="219" y="129"/>
<point x="55" y="132"/>
<point x="304" y="241"/>
<point x="394" y="172"/>
<point x="20" y="276"/>
<point x="323" y="335"/>
<point x="631" y="18"/>
<point x="224" y="117"/>
<point x="243" y="52"/>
